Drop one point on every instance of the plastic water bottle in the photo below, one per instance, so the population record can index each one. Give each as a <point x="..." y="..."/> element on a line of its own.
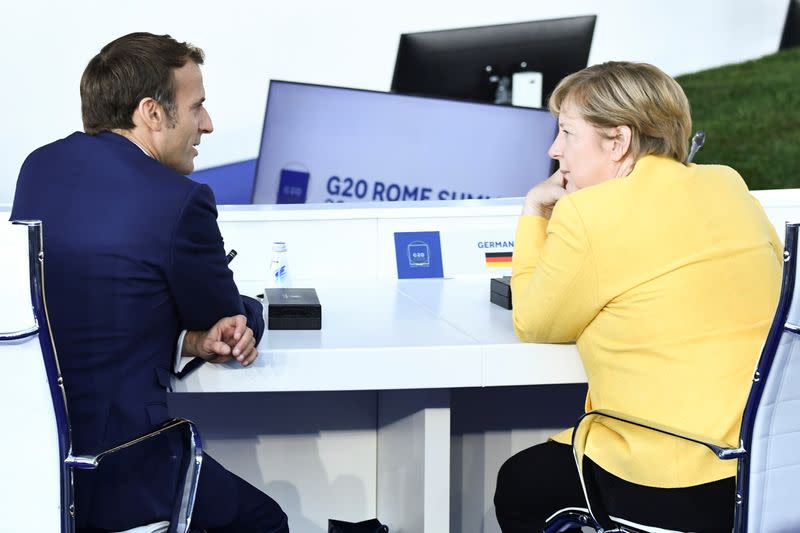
<point x="278" y="266"/>
<point x="502" y="94"/>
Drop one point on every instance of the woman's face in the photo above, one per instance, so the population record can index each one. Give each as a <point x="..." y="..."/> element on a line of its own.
<point x="585" y="157"/>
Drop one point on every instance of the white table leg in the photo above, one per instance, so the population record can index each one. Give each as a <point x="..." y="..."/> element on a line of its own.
<point x="414" y="460"/>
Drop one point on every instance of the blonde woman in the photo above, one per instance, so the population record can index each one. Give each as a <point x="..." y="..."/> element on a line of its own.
<point x="667" y="275"/>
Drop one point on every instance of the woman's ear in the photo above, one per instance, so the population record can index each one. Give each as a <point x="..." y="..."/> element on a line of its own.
<point x="621" y="143"/>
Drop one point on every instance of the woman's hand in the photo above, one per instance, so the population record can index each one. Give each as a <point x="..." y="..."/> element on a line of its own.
<point x="543" y="197"/>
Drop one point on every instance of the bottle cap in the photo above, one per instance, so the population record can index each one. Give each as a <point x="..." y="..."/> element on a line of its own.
<point x="278" y="246"/>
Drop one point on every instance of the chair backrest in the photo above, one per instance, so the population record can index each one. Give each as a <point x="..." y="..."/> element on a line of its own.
<point x="768" y="479"/>
<point x="35" y="491"/>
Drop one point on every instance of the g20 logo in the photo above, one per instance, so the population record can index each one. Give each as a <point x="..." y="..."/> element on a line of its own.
<point x="419" y="254"/>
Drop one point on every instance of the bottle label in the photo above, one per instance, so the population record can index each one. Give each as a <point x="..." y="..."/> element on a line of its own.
<point x="280" y="274"/>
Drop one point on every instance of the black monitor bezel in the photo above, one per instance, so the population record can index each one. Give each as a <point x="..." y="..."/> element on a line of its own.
<point x="416" y="51"/>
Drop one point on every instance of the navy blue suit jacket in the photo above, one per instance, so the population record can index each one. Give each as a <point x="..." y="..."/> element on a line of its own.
<point x="133" y="255"/>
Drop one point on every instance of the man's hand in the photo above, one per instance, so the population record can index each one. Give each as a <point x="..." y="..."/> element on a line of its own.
<point x="543" y="197"/>
<point x="230" y="338"/>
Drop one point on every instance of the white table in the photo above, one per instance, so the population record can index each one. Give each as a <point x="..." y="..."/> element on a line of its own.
<point x="426" y="335"/>
<point x="464" y="304"/>
<point x="408" y="334"/>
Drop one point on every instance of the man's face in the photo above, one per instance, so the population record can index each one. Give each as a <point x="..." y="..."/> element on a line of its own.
<point x="175" y="144"/>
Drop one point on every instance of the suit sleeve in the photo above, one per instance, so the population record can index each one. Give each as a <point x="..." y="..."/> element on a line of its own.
<point x="254" y="312"/>
<point x="21" y="208"/>
<point x="554" y="277"/>
<point x="201" y="282"/>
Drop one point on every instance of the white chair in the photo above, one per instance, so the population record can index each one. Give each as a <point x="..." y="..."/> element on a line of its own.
<point x="768" y="455"/>
<point x="36" y="493"/>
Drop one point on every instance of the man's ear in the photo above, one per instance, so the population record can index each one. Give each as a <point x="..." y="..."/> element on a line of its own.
<point x="150" y="114"/>
<point x="622" y="142"/>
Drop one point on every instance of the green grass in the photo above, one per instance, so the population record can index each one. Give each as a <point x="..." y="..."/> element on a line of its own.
<point x="751" y="115"/>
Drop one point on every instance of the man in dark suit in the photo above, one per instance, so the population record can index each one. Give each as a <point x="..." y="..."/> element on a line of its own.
<point x="134" y="257"/>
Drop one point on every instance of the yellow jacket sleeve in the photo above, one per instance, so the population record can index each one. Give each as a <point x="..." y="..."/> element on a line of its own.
<point x="775" y="240"/>
<point x="554" y="277"/>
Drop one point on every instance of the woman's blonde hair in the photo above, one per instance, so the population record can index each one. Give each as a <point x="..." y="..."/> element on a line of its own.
<point x="637" y="95"/>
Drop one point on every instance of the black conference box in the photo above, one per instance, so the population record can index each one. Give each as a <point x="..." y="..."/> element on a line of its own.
<point x="293" y="309"/>
<point x="500" y="291"/>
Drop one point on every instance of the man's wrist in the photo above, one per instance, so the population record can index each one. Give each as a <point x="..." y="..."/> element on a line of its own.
<point x="190" y="344"/>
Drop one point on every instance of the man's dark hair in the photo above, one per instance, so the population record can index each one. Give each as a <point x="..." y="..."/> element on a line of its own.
<point x="128" y="69"/>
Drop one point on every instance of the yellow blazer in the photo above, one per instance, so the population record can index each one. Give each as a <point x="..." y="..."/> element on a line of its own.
<point x="667" y="279"/>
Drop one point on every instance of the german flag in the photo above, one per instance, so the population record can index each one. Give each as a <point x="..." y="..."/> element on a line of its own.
<point x="498" y="259"/>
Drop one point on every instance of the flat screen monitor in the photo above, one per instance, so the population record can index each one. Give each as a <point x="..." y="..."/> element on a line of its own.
<point x="334" y="144"/>
<point x="453" y="63"/>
